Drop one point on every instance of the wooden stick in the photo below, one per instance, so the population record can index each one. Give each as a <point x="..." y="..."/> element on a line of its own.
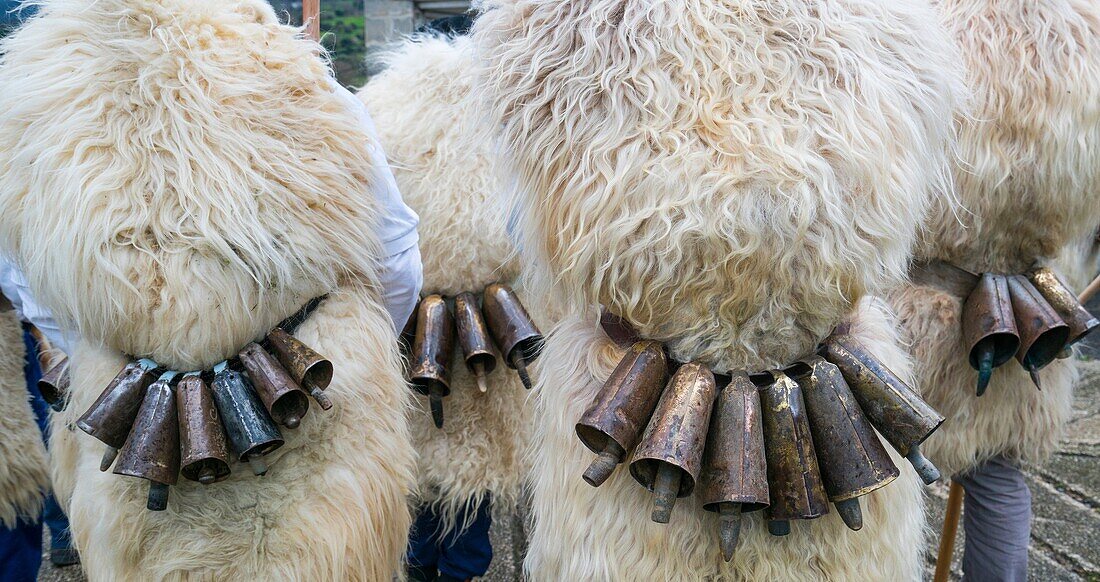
<point x="950" y="528"/>
<point x="311" y="18"/>
<point x="1089" y="291"/>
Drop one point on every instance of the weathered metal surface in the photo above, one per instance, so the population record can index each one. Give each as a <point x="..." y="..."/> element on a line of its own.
<point x="677" y="431"/>
<point x="110" y="417"/>
<point x="734" y="465"/>
<point x="852" y="459"/>
<point x="251" y="431"/>
<point x="312" y="371"/>
<point x="989" y="327"/>
<point x="1080" y="321"/>
<point x="433" y="347"/>
<point x="283" y="397"/>
<point x="54" y="384"/>
<point x="513" y="329"/>
<point x="1042" y="332"/>
<point x="473" y="335"/>
<point x="794" y="478"/>
<point x="152" y="451"/>
<point x="204" y="454"/>
<point x="902" y="417"/>
<point x="623" y="407"/>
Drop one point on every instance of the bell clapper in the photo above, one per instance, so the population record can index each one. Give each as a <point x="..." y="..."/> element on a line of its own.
<point x="985" y="366"/>
<point x="1034" y="373"/>
<point x="322" y="399"/>
<point x="108" y="459"/>
<point x="292" y="421"/>
<point x="521" y="369"/>
<point x="435" y="400"/>
<point x="604" y="464"/>
<point x="851" y="513"/>
<point x="158" y="496"/>
<point x="666" y="486"/>
<point x="927" y="471"/>
<point x="730" y="528"/>
<point x="259" y="467"/>
<point x="479" y="373"/>
<point x="779" y="527"/>
<point x="207" y="475"/>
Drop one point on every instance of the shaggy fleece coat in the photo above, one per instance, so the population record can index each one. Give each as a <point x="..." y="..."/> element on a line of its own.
<point x="731" y="177"/>
<point x="24" y="467"/>
<point x="177" y="177"/>
<point x="1028" y="177"/>
<point x="431" y="124"/>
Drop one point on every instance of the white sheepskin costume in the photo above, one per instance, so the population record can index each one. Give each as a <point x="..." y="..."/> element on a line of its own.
<point x="732" y="178"/>
<point x="24" y="468"/>
<point x="177" y="177"/>
<point x="1029" y="178"/>
<point x="431" y="125"/>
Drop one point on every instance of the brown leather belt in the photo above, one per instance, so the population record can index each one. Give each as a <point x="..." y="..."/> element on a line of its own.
<point x="944" y="276"/>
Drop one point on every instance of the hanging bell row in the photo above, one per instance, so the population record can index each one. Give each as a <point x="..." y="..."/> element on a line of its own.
<point x="429" y="336"/>
<point x="1033" y="317"/>
<point x="160" y="424"/>
<point x="750" y="444"/>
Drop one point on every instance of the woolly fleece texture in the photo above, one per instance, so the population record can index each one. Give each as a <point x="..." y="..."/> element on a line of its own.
<point x="24" y="467"/>
<point x="1028" y="176"/>
<point x="732" y="177"/>
<point x="431" y="125"/>
<point x="178" y="177"/>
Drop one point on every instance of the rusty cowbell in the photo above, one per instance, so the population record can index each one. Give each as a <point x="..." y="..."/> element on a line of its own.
<point x="251" y="431"/>
<point x="312" y="371"/>
<point x="903" y="418"/>
<point x="204" y="453"/>
<point x="152" y="451"/>
<point x="110" y="417"/>
<point x="616" y="418"/>
<point x="54" y="384"/>
<point x="735" y="475"/>
<point x="283" y="397"/>
<point x="988" y="327"/>
<point x="670" y="454"/>
<point x="794" y="478"/>
<point x="516" y="335"/>
<point x="473" y="338"/>
<point x="852" y="459"/>
<point x="430" y="361"/>
<point x="1065" y="303"/>
<point x="1043" y="334"/>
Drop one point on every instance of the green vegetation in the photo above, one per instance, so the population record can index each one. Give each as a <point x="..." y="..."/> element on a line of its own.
<point x="342" y="33"/>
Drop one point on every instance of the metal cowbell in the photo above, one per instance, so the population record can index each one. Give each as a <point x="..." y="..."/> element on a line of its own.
<point x="989" y="327"/>
<point x="794" y="478"/>
<point x="1080" y="321"/>
<point x="852" y="459"/>
<point x="735" y="475"/>
<point x="152" y="451"/>
<point x="899" y="414"/>
<point x="519" y="340"/>
<point x="312" y="371"/>
<point x="621" y="410"/>
<point x="473" y="338"/>
<point x="669" y="456"/>
<point x="110" y="417"/>
<point x="1043" y="334"/>
<point x="54" y="384"/>
<point x="283" y="397"/>
<point x="250" y="430"/>
<point x="430" y="360"/>
<point x="203" y="450"/>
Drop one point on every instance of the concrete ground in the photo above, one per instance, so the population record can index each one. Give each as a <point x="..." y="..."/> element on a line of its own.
<point x="1065" y="537"/>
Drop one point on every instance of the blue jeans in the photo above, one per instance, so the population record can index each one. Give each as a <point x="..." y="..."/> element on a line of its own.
<point x="21" y="547"/>
<point x="460" y="554"/>
<point x="997" y="521"/>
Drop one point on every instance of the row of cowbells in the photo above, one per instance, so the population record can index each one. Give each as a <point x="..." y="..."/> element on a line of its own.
<point x="787" y="441"/>
<point x="1033" y="317"/>
<point x="160" y="425"/>
<point x="428" y="340"/>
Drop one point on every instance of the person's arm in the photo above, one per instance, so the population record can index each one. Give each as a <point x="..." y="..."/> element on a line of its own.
<point x="400" y="273"/>
<point x="14" y="286"/>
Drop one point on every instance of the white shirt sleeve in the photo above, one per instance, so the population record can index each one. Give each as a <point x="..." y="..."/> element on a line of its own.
<point x="14" y="286"/>
<point x="401" y="272"/>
